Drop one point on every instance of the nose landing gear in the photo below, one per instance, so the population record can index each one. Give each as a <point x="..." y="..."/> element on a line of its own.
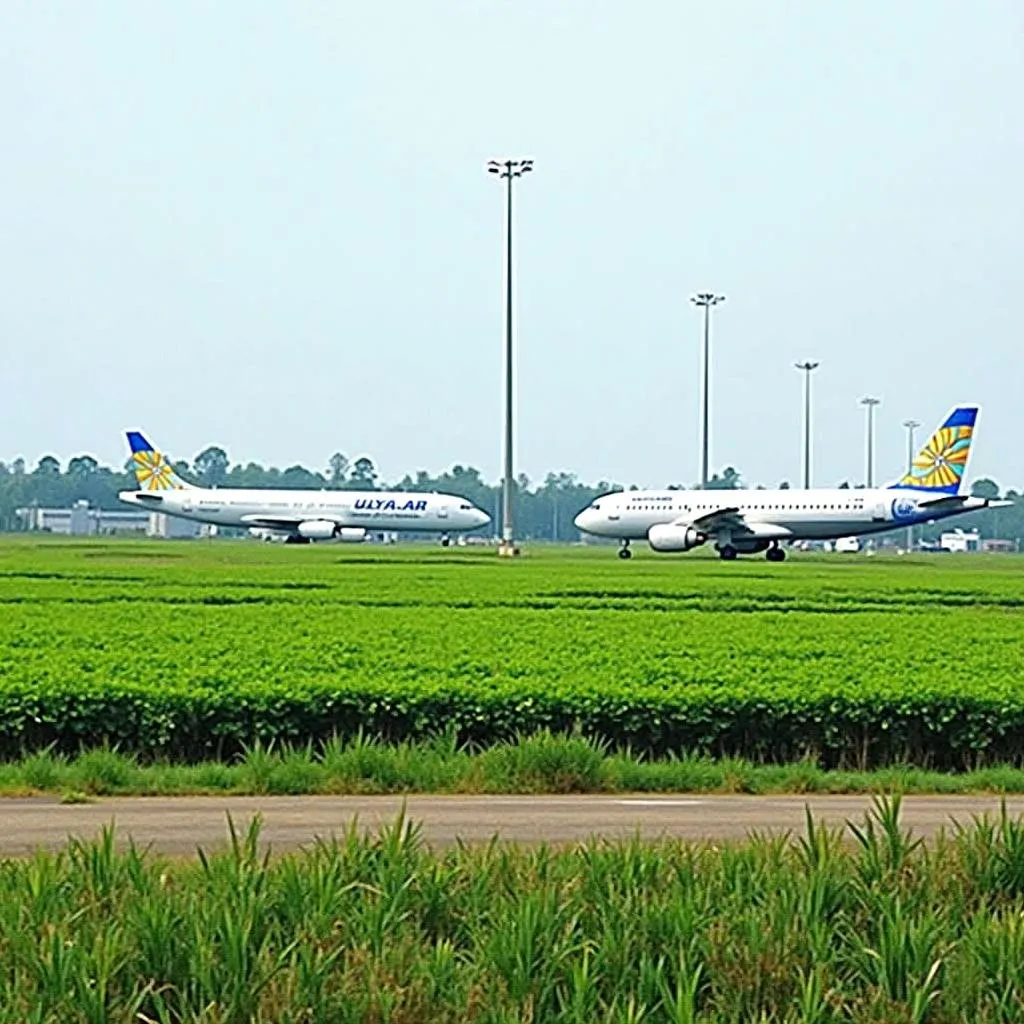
<point x="445" y="540"/>
<point x="624" y="550"/>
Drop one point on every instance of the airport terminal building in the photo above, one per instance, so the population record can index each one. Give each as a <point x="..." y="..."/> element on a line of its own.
<point x="83" y="521"/>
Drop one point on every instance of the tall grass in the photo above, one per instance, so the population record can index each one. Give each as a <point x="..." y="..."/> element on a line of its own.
<point x="541" y="763"/>
<point x="380" y="928"/>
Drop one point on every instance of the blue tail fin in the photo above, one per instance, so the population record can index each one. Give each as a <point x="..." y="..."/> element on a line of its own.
<point x="940" y="465"/>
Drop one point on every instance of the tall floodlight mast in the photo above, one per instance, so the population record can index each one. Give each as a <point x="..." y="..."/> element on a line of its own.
<point x="509" y="170"/>
<point x="706" y="300"/>
<point x="869" y="404"/>
<point x="807" y="367"/>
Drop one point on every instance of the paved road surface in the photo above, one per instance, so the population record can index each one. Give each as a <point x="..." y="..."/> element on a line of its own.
<point x="177" y="825"/>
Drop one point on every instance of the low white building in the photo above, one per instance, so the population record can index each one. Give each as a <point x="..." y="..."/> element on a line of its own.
<point x="960" y="542"/>
<point x="163" y="525"/>
<point x="82" y="521"/>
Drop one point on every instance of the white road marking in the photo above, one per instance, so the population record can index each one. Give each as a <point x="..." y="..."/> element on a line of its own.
<point x="659" y="803"/>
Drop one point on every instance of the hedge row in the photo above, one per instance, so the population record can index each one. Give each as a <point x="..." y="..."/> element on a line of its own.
<point x="930" y="730"/>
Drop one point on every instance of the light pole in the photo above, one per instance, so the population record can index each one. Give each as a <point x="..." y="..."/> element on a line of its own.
<point x="910" y="426"/>
<point x="509" y="170"/>
<point x="807" y="367"/>
<point x="869" y="404"/>
<point x="707" y="300"/>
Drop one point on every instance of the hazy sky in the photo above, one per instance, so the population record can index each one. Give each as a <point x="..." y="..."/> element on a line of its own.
<point x="268" y="226"/>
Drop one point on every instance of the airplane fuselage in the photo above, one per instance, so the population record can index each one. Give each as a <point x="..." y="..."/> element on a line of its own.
<point x="294" y="511"/>
<point x="767" y="516"/>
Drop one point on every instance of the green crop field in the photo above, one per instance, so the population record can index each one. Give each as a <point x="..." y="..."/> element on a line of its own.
<point x="878" y="930"/>
<point x="193" y="650"/>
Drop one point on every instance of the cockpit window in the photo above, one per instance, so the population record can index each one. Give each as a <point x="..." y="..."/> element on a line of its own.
<point x="465" y="508"/>
<point x="596" y="507"/>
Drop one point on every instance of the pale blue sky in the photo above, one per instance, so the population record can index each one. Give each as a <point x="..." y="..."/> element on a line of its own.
<point x="268" y="225"/>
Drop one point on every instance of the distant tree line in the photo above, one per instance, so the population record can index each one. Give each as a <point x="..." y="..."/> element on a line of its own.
<point x="543" y="511"/>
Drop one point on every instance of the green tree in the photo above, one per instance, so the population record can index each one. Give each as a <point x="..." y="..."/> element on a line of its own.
<point x="985" y="488"/>
<point x="730" y="480"/>
<point x="82" y="465"/>
<point x="364" y="475"/>
<point x="338" y="470"/>
<point x="299" y="478"/>
<point x="211" y="466"/>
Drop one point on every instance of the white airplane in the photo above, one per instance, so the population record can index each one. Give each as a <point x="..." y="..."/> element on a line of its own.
<point x="297" y="517"/>
<point x="745" y="521"/>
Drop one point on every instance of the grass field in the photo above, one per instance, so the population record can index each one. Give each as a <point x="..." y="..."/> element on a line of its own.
<point x="198" y="650"/>
<point x="879" y="929"/>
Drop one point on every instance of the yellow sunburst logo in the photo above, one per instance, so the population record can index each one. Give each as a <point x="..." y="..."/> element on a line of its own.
<point x="153" y="472"/>
<point x="942" y="461"/>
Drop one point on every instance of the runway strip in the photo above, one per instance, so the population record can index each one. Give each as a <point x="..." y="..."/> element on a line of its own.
<point x="178" y="825"/>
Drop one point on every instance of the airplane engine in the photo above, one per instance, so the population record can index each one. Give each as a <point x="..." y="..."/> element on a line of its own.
<point x="317" y="529"/>
<point x="351" y="534"/>
<point x="669" y="537"/>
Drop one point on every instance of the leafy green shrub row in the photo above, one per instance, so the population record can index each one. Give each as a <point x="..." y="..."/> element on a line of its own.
<point x="856" y="665"/>
<point x="839" y="730"/>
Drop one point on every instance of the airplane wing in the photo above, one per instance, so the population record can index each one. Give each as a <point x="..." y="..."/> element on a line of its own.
<point x="711" y="522"/>
<point x="278" y="522"/>
<point x="947" y="501"/>
<point x="951" y="501"/>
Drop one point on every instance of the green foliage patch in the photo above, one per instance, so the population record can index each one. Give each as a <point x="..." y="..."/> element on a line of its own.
<point x="846" y="662"/>
<point x="811" y="929"/>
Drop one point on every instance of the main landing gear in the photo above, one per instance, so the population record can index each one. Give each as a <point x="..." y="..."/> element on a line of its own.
<point x="624" y="551"/>
<point x="727" y="553"/>
<point x="775" y="553"/>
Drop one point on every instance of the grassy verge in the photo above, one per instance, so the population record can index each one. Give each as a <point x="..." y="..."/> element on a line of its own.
<point x="805" y="931"/>
<point x="542" y="763"/>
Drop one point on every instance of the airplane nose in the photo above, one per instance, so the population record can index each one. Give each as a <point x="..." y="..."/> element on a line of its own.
<point x="480" y="517"/>
<point x="582" y="520"/>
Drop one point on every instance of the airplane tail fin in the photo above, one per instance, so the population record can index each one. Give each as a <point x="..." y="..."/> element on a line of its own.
<point x="152" y="469"/>
<point x="940" y="465"/>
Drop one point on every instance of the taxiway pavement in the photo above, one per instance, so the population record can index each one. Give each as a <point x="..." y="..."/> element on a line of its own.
<point x="178" y="825"/>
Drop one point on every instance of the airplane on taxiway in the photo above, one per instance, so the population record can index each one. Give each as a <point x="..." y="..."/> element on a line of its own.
<point x="294" y="516"/>
<point x="748" y="521"/>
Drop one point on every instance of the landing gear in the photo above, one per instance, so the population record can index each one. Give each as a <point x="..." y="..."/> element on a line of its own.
<point x="775" y="554"/>
<point x="624" y="551"/>
<point x="445" y="540"/>
<point x="727" y="553"/>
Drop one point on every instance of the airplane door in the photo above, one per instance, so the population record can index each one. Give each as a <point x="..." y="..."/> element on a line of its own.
<point x="880" y="512"/>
